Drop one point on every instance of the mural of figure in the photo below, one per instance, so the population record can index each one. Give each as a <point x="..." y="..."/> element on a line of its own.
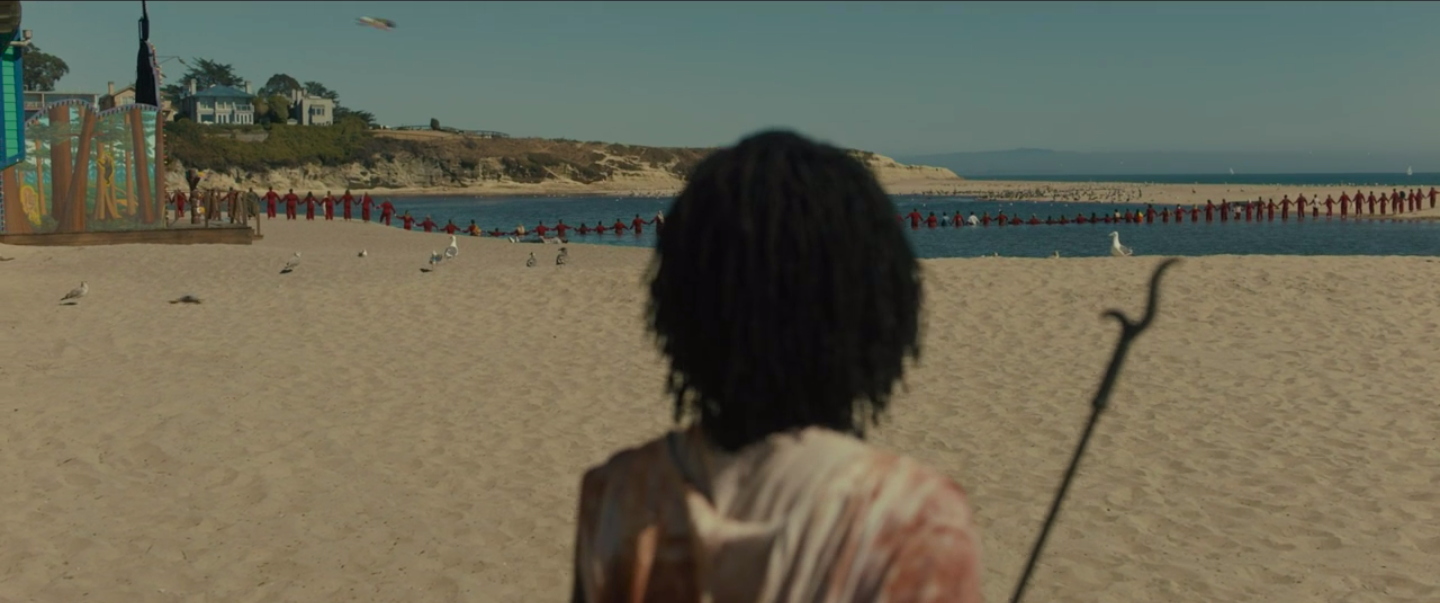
<point x="105" y="205"/>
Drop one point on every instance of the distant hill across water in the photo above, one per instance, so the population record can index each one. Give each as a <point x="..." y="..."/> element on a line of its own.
<point x="1044" y="162"/>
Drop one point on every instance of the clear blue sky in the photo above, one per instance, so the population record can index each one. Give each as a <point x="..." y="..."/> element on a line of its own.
<point x="894" y="77"/>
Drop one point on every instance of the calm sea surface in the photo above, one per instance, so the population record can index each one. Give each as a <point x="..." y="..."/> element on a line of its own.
<point x="1359" y="179"/>
<point x="1294" y="237"/>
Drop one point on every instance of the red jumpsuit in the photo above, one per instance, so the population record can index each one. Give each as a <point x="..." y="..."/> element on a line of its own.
<point x="291" y="200"/>
<point x="329" y="203"/>
<point x="346" y="202"/>
<point x="309" y="206"/>
<point x="365" y="204"/>
<point x="270" y="199"/>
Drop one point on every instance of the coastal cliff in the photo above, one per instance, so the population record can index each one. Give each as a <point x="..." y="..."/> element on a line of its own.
<point x="435" y="162"/>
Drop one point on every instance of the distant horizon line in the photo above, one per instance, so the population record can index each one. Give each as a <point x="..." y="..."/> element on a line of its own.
<point x="1170" y="152"/>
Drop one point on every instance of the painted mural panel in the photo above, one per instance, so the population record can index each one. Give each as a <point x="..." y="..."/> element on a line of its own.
<point x="86" y="171"/>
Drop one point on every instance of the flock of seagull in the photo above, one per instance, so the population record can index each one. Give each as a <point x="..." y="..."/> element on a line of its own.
<point x="452" y="251"/>
<point x="437" y="258"/>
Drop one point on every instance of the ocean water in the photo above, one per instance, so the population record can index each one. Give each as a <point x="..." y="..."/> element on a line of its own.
<point x="1399" y="180"/>
<point x="1294" y="237"/>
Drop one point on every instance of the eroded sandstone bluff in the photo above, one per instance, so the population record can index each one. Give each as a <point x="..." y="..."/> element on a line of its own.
<point x="440" y="162"/>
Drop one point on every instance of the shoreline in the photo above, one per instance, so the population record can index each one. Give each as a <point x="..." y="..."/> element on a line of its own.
<point x="1010" y="191"/>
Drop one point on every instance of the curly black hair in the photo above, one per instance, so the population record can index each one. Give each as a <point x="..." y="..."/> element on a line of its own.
<point x="783" y="291"/>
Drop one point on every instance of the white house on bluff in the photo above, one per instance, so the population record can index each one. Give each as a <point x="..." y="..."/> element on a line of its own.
<point x="218" y="105"/>
<point x="311" y="110"/>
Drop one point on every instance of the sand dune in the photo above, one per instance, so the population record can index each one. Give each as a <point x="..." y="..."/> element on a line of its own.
<point x="360" y="430"/>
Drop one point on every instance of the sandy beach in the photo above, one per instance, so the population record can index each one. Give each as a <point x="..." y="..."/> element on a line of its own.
<point x="358" y="430"/>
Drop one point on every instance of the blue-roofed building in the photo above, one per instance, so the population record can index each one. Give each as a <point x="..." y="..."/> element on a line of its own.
<point x="218" y="105"/>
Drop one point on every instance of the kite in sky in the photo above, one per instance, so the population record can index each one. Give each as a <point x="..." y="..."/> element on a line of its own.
<point x="377" y="23"/>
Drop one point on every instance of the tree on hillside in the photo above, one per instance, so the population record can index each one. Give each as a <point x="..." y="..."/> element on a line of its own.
<point x="206" y="73"/>
<point x="261" y="105"/>
<point x="279" y="108"/>
<point x="343" y="113"/>
<point x="41" y="71"/>
<point x="434" y="124"/>
<point x="280" y="83"/>
<point x="319" y="89"/>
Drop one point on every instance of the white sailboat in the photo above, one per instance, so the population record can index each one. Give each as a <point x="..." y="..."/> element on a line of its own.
<point x="1410" y="170"/>
<point x="1232" y="171"/>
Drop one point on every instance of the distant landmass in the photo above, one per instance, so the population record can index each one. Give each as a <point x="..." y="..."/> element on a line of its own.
<point x="1045" y="162"/>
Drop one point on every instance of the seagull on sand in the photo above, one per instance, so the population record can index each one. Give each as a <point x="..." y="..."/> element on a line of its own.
<point x="1055" y="255"/>
<point x="76" y="293"/>
<point x="186" y="299"/>
<point x="292" y="264"/>
<point x="1118" y="250"/>
<point x="453" y="249"/>
<point x="435" y="259"/>
<point x="364" y="253"/>
<point x="530" y="263"/>
<point x="560" y="259"/>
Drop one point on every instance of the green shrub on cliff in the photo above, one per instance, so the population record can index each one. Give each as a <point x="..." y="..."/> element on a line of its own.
<point x="210" y="147"/>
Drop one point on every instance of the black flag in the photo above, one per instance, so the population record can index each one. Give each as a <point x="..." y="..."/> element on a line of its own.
<point x="147" y="82"/>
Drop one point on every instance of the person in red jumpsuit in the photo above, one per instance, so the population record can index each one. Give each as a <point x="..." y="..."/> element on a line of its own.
<point x="931" y="221"/>
<point x="329" y="204"/>
<point x="600" y="228"/>
<point x="347" y="201"/>
<point x="914" y="217"/>
<point x="179" y="204"/>
<point x="1270" y="210"/>
<point x="1149" y="214"/>
<point x="618" y="227"/>
<point x="292" y="201"/>
<point x="637" y="225"/>
<point x="1329" y="205"/>
<point x="271" y="198"/>
<point x="474" y="229"/>
<point x="985" y="219"/>
<point x="1285" y="208"/>
<point x="310" y="206"/>
<point x="450" y="227"/>
<point x="1384" y="201"/>
<point x="387" y="211"/>
<point x="561" y="227"/>
<point x="1249" y="211"/>
<point x="407" y="221"/>
<point x="365" y="204"/>
<point x="1209" y="211"/>
<point x="496" y="232"/>
<point x="429" y="225"/>
<point x="1300" y="206"/>
<point x="541" y="229"/>
<point x="583" y="229"/>
<point x="1370" y="201"/>
<point x="1033" y="221"/>
<point x="1433" y="194"/>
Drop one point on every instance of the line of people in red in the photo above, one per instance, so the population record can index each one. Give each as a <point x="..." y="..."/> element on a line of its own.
<point x="1396" y="202"/>
<point x="560" y="229"/>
